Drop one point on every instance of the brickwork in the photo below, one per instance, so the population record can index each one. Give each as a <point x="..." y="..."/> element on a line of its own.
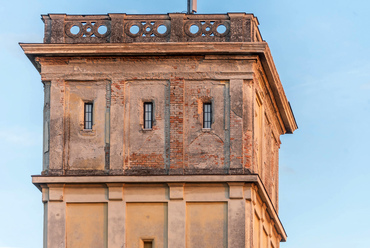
<point x="177" y="126"/>
<point x="152" y="160"/>
<point x="145" y="148"/>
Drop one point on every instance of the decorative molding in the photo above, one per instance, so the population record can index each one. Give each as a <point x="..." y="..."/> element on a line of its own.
<point x="56" y="192"/>
<point x="176" y="191"/>
<point x="174" y="27"/>
<point x="236" y="190"/>
<point x="115" y="191"/>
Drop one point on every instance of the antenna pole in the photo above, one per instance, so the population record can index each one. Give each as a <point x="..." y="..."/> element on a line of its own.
<point x="192" y="6"/>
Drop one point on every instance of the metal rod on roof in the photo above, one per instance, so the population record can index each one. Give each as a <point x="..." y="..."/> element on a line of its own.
<point x="192" y="6"/>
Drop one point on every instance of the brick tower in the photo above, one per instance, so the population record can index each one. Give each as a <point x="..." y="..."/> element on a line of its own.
<point x="160" y="131"/>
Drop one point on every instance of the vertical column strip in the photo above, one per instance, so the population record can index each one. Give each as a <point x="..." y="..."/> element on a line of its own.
<point x="227" y="126"/>
<point x="46" y="133"/>
<point x="167" y="137"/>
<point x="177" y="125"/>
<point x="107" y="125"/>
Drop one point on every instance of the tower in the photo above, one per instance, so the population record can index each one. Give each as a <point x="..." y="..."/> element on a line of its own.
<point x="160" y="131"/>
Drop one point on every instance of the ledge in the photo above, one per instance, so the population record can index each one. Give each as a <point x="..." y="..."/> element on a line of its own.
<point x="149" y="48"/>
<point x="147" y="179"/>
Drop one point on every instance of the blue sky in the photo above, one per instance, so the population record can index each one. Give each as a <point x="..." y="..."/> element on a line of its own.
<point x="321" y="51"/>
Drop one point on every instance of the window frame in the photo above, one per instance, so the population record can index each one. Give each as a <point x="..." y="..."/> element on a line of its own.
<point x="88" y="121"/>
<point x="148" y="119"/>
<point x="207" y="112"/>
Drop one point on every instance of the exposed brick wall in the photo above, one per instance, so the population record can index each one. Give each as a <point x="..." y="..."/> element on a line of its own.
<point x="151" y="160"/>
<point x="247" y="149"/>
<point x="144" y="148"/>
<point x="117" y="92"/>
<point x="176" y="125"/>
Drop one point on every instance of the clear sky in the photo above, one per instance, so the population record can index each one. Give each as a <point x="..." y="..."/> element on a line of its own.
<point x="321" y="51"/>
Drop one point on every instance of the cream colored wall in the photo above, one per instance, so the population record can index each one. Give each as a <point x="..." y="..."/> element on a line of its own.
<point x="180" y="215"/>
<point x="264" y="232"/>
<point x="86" y="225"/>
<point x="206" y="224"/>
<point x="146" y="222"/>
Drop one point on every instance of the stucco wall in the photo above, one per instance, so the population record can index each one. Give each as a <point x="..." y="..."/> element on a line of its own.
<point x="198" y="214"/>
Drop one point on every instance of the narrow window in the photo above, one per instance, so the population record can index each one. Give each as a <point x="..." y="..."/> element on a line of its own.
<point x="207" y="115"/>
<point x="148" y="115"/>
<point x="148" y="244"/>
<point x="88" y="115"/>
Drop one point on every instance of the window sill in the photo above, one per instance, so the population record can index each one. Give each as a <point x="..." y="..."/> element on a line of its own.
<point x="207" y="130"/>
<point x="87" y="132"/>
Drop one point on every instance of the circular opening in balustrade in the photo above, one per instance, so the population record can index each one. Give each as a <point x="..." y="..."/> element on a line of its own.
<point x="134" y="29"/>
<point x="102" y="29"/>
<point x="162" y="29"/>
<point x="88" y="29"/>
<point x="194" y="29"/>
<point x="208" y="28"/>
<point x="148" y="29"/>
<point x="221" y="29"/>
<point x="75" y="29"/>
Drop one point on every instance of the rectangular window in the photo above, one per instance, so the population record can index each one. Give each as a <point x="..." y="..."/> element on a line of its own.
<point x="148" y="244"/>
<point x="207" y="115"/>
<point x="148" y="115"/>
<point x="88" y="115"/>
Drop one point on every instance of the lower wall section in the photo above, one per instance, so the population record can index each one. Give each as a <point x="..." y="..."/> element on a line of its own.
<point x="86" y="225"/>
<point x="206" y="224"/>
<point x="146" y="223"/>
<point x="158" y="215"/>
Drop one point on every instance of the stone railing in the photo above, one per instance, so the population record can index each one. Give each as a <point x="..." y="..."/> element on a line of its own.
<point x="173" y="27"/>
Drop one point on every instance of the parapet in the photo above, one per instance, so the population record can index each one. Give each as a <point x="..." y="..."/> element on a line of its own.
<point x="172" y="27"/>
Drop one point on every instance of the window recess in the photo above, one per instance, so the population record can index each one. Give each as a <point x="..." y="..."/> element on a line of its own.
<point x="148" y="115"/>
<point x="88" y="115"/>
<point x="207" y="115"/>
<point x="148" y="244"/>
